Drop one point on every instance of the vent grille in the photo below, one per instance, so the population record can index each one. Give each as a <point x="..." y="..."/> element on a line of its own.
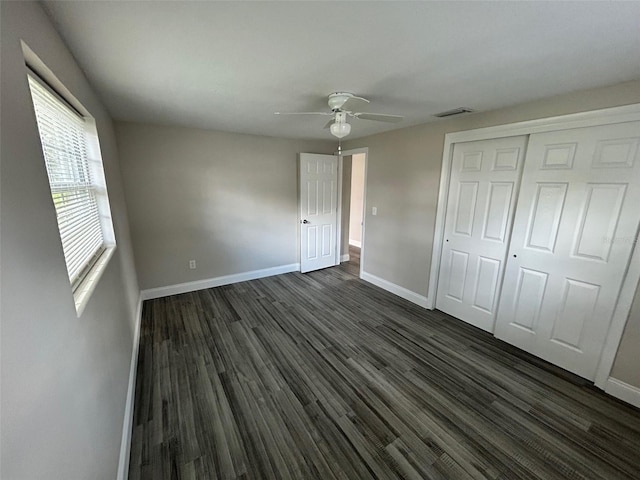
<point x="455" y="111"/>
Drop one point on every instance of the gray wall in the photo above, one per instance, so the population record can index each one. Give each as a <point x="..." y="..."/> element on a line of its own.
<point x="226" y="200"/>
<point x="627" y="365"/>
<point x="64" y="379"/>
<point x="403" y="177"/>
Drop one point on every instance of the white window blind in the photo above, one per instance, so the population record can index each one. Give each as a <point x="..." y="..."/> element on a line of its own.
<point x="64" y="143"/>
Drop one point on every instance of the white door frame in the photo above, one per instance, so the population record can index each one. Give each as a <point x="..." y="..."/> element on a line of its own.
<point x="346" y="153"/>
<point x="626" y="113"/>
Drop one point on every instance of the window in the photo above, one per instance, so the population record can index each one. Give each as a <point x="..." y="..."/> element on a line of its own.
<point x="76" y="178"/>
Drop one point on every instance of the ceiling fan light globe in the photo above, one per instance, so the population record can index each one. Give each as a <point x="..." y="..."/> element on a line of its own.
<point x="340" y="130"/>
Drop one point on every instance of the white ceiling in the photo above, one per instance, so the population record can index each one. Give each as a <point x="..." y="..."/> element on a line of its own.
<point x="230" y="65"/>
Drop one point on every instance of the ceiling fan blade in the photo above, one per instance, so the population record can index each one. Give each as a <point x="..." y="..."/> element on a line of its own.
<point x="329" y="123"/>
<point x="354" y="103"/>
<point x="303" y="113"/>
<point x="379" y="117"/>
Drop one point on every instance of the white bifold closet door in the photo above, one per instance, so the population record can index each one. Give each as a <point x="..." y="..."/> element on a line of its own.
<point x="573" y="234"/>
<point x="483" y="189"/>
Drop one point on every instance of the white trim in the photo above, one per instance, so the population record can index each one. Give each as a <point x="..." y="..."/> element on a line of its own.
<point x="125" y="445"/>
<point x="339" y="210"/>
<point x="623" y="391"/>
<point x="606" y="116"/>
<point x="355" y="243"/>
<point x="396" y="289"/>
<point x="217" y="281"/>
<point x="83" y="293"/>
<point x="626" y="113"/>
<point x="441" y="212"/>
<point x="355" y="151"/>
<point x="344" y="258"/>
<point x="364" y="210"/>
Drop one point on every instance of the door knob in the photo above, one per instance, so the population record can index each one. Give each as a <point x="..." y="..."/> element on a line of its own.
<point x="305" y="221"/>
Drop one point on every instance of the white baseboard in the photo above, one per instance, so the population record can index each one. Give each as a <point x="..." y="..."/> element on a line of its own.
<point x="217" y="281"/>
<point x="355" y="243"/>
<point x="344" y="258"/>
<point x="623" y="391"/>
<point x="125" y="445"/>
<point x="396" y="289"/>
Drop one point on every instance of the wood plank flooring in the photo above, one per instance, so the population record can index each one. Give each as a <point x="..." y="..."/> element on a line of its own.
<point x="323" y="376"/>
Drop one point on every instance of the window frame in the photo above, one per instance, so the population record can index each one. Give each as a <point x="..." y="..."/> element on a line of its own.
<point x="87" y="277"/>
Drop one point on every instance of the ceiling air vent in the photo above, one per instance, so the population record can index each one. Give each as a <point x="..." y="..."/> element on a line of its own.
<point x="455" y="111"/>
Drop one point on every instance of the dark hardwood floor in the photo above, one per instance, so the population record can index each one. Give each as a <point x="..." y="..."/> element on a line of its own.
<point x="354" y="256"/>
<point x="323" y="376"/>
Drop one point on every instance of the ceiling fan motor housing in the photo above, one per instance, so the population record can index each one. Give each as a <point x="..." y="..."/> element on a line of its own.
<point x="338" y="99"/>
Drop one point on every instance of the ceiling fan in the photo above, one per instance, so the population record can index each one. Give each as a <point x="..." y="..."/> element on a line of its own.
<point x="344" y="105"/>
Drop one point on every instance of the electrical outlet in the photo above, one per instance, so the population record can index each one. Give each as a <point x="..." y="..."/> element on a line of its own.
<point x="374" y="210"/>
<point x="192" y="264"/>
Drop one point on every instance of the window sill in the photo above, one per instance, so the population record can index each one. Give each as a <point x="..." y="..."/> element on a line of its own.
<point x="83" y="293"/>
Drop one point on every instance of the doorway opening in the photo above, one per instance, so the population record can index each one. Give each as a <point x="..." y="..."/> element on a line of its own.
<point x="353" y="200"/>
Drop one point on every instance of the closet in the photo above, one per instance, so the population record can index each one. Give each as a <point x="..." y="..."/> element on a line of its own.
<point x="538" y="233"/>
<point x="485" y="176"/>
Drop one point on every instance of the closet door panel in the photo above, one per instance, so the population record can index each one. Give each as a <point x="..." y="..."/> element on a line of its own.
<point x="573" y="234"/>
<point x="484" y="183"/>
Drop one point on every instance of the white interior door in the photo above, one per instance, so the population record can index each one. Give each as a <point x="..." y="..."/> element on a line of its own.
<point x="574" y="231"/>
<point x="485" y="176"/>
<point x="318" y="211"/>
